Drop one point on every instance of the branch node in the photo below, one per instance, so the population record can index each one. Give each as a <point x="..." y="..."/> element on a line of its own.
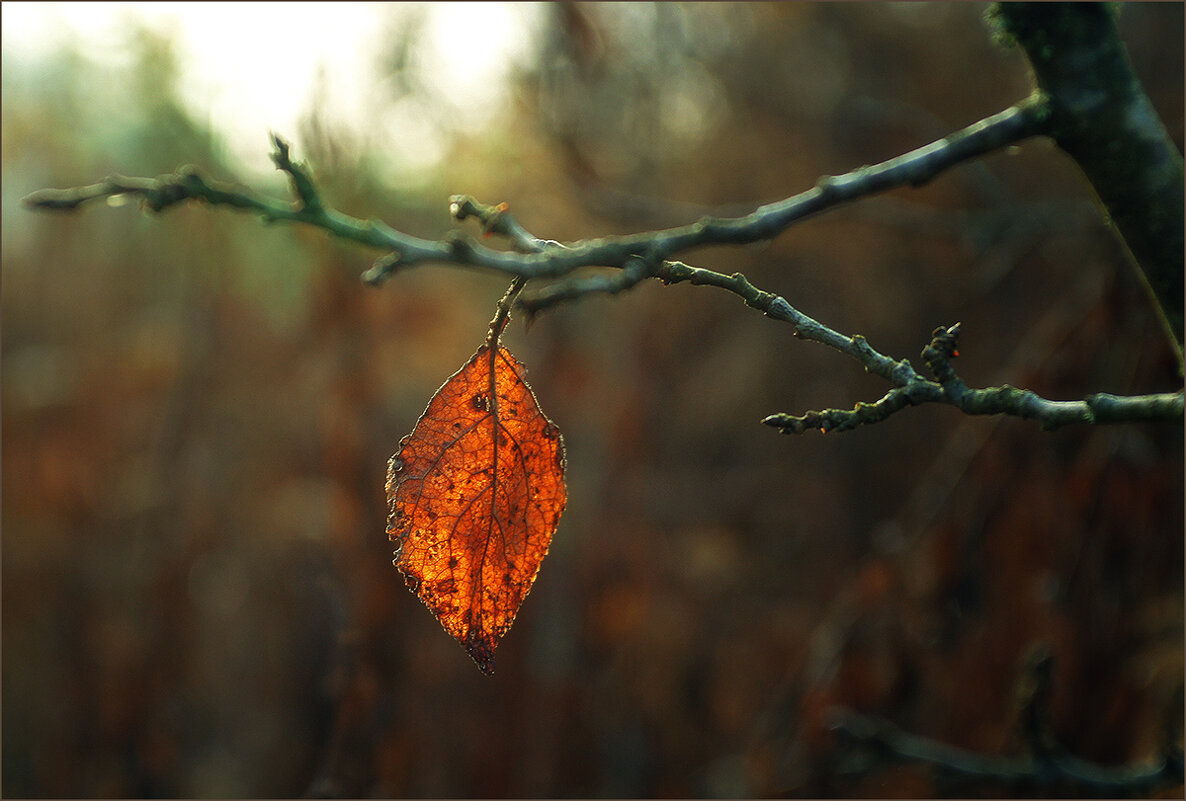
<point x="461" y="247"/>
<point x="941" y="350"/>
<point x="461" y="207"/>
<point x="382" y="269"/>
<point x="302" y="181"/>
<point x="828" y="185"/>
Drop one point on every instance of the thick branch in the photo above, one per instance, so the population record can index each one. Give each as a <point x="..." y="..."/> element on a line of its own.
<point x="1102" y="118"/>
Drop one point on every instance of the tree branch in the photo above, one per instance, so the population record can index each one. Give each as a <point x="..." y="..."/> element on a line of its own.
<point x="645" y="255"/>
<point x="890" y="743"/>
<point x="550" y="260"/>
<point x="1101" y="117"/>
<point x="912" y="390"/>
<point x="1045" y="765"/>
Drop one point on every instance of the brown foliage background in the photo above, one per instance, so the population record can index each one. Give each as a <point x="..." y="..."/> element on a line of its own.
<point x="198" y="596"/>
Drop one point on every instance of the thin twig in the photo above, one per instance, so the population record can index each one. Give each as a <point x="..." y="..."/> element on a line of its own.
<point x="950" y="389"/>
<point x="498" y="220"/>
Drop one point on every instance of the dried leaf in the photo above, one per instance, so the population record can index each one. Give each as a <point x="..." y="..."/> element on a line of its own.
<point x="474" y="496"/>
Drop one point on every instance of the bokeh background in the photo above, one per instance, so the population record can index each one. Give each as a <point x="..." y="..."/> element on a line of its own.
<point x="198" y="597"/>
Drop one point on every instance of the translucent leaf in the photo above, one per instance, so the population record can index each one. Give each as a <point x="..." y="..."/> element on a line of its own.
<point x="474" y="496"/>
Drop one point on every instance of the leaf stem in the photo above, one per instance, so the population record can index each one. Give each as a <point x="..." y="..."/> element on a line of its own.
<point x="502" y="314"/>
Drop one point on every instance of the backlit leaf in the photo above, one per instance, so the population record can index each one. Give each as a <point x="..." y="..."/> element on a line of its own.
<point x="474" y="496"/>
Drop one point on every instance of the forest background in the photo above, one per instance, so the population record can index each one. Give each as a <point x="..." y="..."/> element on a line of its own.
<point x="198" y="596"/>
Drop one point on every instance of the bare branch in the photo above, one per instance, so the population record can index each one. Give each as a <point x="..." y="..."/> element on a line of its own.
<point x="1045" y="765"/>
<point x="897" y="372"/>
<point x="645" y="255"/>
<point x="498" y="220"/>
<point x="951" y="390"/>
<point x="910" y="388"/>
<point x="632" y="273"/>
<point x="187" y="183"/>
<point x="1059" y="770"/>
<point x="405" y="251"/>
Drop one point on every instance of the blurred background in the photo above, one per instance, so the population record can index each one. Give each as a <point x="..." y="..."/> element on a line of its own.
<point x="198" y="597"/>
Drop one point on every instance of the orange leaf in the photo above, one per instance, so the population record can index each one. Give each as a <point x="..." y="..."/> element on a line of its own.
<point x="474" y="496"/>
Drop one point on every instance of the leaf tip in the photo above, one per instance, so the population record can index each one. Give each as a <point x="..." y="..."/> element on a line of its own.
<point x="480" y="647"/>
